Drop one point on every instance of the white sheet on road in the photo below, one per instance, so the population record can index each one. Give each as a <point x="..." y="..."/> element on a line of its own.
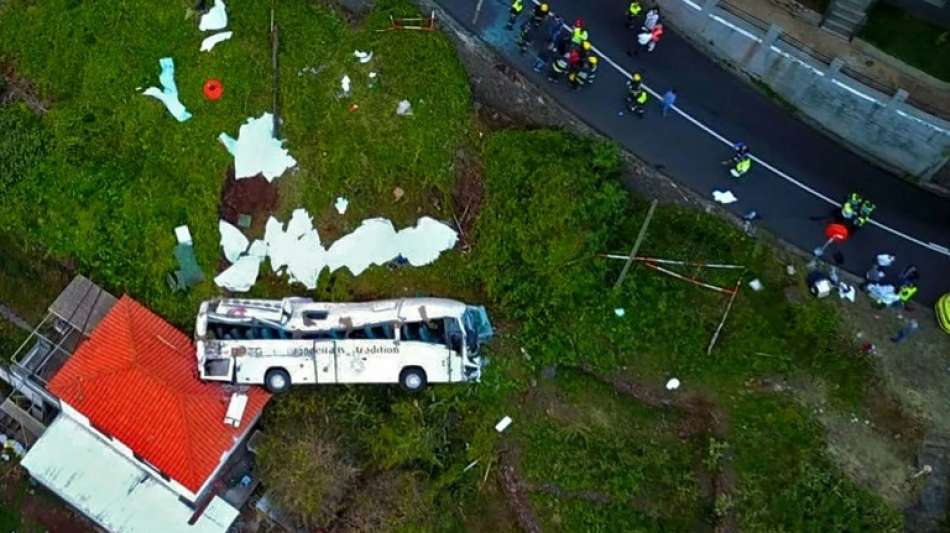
<point x="215" y="19"/>
<point x="233" y="242"/>
<point x="168" y="94"/>
<point x="256" y="151"/>
<point x="298" y="249"/>
<point x="208" y="43"/>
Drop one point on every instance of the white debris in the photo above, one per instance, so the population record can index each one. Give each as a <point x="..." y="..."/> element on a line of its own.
<point x="341" y="204"/>
<point x="372" y="243"/>
<point x="168" y="94"/>
<point x="847" y="292"/>
<point x="503" y="424"/>
<point x="885" y="260"/>
<point x="258" y="249"/>
<point x="363" y="57"/>
<point x="620" y="311"/>
<point x="240" y="276"/>
<point x="790" y="270"/>
<point x="404" y="108"/>
<point x="724" y="197"/>
<point x="673" y="384"/>
<point x="215" y="19"/>
<point x="423" y="244"/>
<point x="756" y="285"/>
<point x="183" y="235"/>
<point x="233" y="242"/>
<point x="236" y="407"/>
<point x="344" y="86"/>
<point x="208" y="43"/>
<point x="256" y="151"/>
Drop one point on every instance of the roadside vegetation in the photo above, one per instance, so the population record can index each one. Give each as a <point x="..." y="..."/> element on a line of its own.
<point x="917" y="42"/>
<point x="103" y="178"/>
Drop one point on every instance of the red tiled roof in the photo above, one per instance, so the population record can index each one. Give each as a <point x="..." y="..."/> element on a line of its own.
<point x="135" y="379"/>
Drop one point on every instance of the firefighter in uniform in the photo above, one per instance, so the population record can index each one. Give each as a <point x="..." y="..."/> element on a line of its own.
<point x="864" y="213"/>
<point x="517" y="6"/>
<point x="636" y="98"/>
<point x="524" y="38"/>
<point x="558" y="68"/>
<point x="741" y="162"/>
<point x="540" y="14"/>
<point x="579" y="34"/>
<point x="633" y="14"/>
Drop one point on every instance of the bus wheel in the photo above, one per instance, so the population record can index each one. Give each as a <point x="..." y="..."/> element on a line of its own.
<point x="412" y="379"/>
<point x="277" y="380"/>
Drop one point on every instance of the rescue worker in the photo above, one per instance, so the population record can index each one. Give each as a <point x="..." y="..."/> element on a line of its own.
<point x="633" y="14"/>
<point x="864" y="213"/>
<point x="541" y="12"/>
<point x="573" y="60"/>
<point x="585" y="75"/>
<point x="849" y="209"/>
<point x="579" y="34"/>
<point x="636" y="81"/>
<point x="524" y="38"/>
<point x="517" y="6"/>
<point x="741" y="162"/>
<point x="584" y="50"/>
<point x="636" y="98"/>
<point x="558" y="68"/>
<point x="907" y="292"/>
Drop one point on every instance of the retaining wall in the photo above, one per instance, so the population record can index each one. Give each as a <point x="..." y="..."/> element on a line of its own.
<point x="883" y="127"/>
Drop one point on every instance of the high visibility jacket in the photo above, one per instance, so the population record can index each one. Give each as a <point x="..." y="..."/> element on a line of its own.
<point x="867" y="208"/>
<point x="942" y="307"/>
<point x="640" y="97"/>
<point x="517" y="6"/>
<point x="560" y="65"/>
<point x="907" y="292"/>
<point x="634" y="9"/>
<point x="578" y="36"/>
<point x="744" y="165"/>
<point x="847" y="210"/>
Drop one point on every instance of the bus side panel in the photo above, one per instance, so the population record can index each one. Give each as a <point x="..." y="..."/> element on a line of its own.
<point x="251" y="370"/>
<point x="325" y="362"/>
<point x="435" y="359"/>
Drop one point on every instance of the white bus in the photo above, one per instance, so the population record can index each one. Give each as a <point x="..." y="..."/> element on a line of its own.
<point x="279" y="343"/>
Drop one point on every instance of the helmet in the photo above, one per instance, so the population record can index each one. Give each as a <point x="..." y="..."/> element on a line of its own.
<point x="544" y="8"/>
<point x="636" y="76"/>
<point x="740" y="146"/>
<point x="592" y="60"/>
<point x="586" y="45"/>
<point x="579" y="23"/>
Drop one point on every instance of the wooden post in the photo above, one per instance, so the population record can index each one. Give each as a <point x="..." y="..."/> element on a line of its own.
<point x="715" y="337"/>
<point x="636" y="245"/>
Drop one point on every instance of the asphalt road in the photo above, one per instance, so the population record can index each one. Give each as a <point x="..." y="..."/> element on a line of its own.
<point x="722" y="102"/>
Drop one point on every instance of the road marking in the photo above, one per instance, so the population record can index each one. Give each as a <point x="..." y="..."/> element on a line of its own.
<point x="928" y="245"/>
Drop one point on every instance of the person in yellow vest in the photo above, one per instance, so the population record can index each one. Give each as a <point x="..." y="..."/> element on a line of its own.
<point x="579" y="33"/>
<point x="636" y="98"/>
<point x="942" y="308"/>
<point x="633" y="14"/>
<point x="517" y="6"/>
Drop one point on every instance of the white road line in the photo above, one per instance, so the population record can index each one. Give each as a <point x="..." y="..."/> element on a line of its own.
<point x="928" y="245"/>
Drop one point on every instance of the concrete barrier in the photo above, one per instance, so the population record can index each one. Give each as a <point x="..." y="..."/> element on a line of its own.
<point x="883" y="127"/>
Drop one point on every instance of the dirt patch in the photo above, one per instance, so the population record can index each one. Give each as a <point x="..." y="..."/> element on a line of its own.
<point x="250" y="196"/>
<point x="37" y="507"/>
<point x="516" y="492"/>
<point x="15" y="87"/>
<point x="468" y="194"/>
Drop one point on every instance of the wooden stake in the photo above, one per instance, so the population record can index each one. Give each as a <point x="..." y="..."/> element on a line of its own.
<point x="636" y="245"/>
<point x="715" y="337"/>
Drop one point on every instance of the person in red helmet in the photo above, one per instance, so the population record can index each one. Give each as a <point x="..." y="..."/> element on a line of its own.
<point x="579" y="33"/>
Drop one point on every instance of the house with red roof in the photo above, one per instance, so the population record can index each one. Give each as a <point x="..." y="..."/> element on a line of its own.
<point x="139" y="440"/>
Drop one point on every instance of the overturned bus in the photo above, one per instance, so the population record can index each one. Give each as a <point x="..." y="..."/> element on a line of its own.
<point x="279" y="343"/>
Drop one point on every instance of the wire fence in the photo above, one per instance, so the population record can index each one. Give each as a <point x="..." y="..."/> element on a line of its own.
<point x="815" y="55"/>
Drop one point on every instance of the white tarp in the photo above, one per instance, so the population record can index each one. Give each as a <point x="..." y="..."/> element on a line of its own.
<point x="110" y="488"/>
<point x="233" y="242"/>
<point x="168" y="94"/>
<point x="215" y="19"/>
<point x="298" y="249"/>
<point x="256" y="151"/>
<point x="208" y="43"/>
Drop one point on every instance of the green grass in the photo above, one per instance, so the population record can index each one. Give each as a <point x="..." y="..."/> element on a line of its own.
<point x="915" y="41"/>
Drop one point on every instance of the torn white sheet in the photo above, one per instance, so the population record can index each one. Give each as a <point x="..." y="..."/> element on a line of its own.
<point x="215" y="19"/>
<point x="258" y="249"/>
<point x="345" y="86"/>
<point x="374" y="242"/>
<point x="620" y="311"/>
<point x="256" y="151"/>
<point x="341" y="205"/>
<point x="503" y="424"/>
<point x="404" y="108"/>
<point x="240" y="276"/>
<point x="673" y="384"/>
<point x="724" y="197"/>
<point x="168" y="94"/>
<point x="847" y="292"/>
<point x="209" y="42"/>
<point x="363" y="57"/>
<point x="233" y="242"/>
<point x="183" y="234"/>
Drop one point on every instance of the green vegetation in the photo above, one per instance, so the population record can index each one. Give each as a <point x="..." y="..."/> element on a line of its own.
<point x="103" y="178"/>
<point x="915" y="41"/>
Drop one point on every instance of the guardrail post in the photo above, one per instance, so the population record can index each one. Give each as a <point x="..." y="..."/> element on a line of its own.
<point x="899" y="98"/>
<point x="831" y="73"/>
<point x="775" y="31"/>
<point x="708" y="7"/>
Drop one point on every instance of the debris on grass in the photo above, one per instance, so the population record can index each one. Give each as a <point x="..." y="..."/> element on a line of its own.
<point x="215" y="19"/>
<point x="363" y="57"/>
<point x="341" y="204"/>
<point x="756" y="285"/>
<point x="168" y="94"/>
<point x="208" y="43"/>
<point x="256" y="151"/>
<point x="398" y="193"/>
<point x="254" y="197"/>
<point x="345" y="84"/>
<point x="240" y="276"/>
<point x="404" y="109"/>
<point x="233" y="241"/>
<point x="503" y="424"/>
<point x="620" y="311"/>
<point x="673" y="384"/>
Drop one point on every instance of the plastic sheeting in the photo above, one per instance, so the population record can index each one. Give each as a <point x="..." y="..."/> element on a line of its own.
<point x="233" y="242"/>
<point x="240" y="276"/>
<point x="209" y="42"/>
<point x="168" y="94"/>
<point x="215" y="19"/>
<point x="256" y="151"/>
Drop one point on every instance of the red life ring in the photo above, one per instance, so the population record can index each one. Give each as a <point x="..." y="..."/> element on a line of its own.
<point x="837" y="232"/>
<point x="213" y="89"/>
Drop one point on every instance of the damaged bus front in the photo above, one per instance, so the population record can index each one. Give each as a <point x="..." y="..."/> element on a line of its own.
<point x="279" y="343"/>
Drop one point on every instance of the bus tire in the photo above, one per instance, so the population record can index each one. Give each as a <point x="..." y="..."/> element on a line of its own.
<point x="277" y="380"/>
<point x="412" y="379"/>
